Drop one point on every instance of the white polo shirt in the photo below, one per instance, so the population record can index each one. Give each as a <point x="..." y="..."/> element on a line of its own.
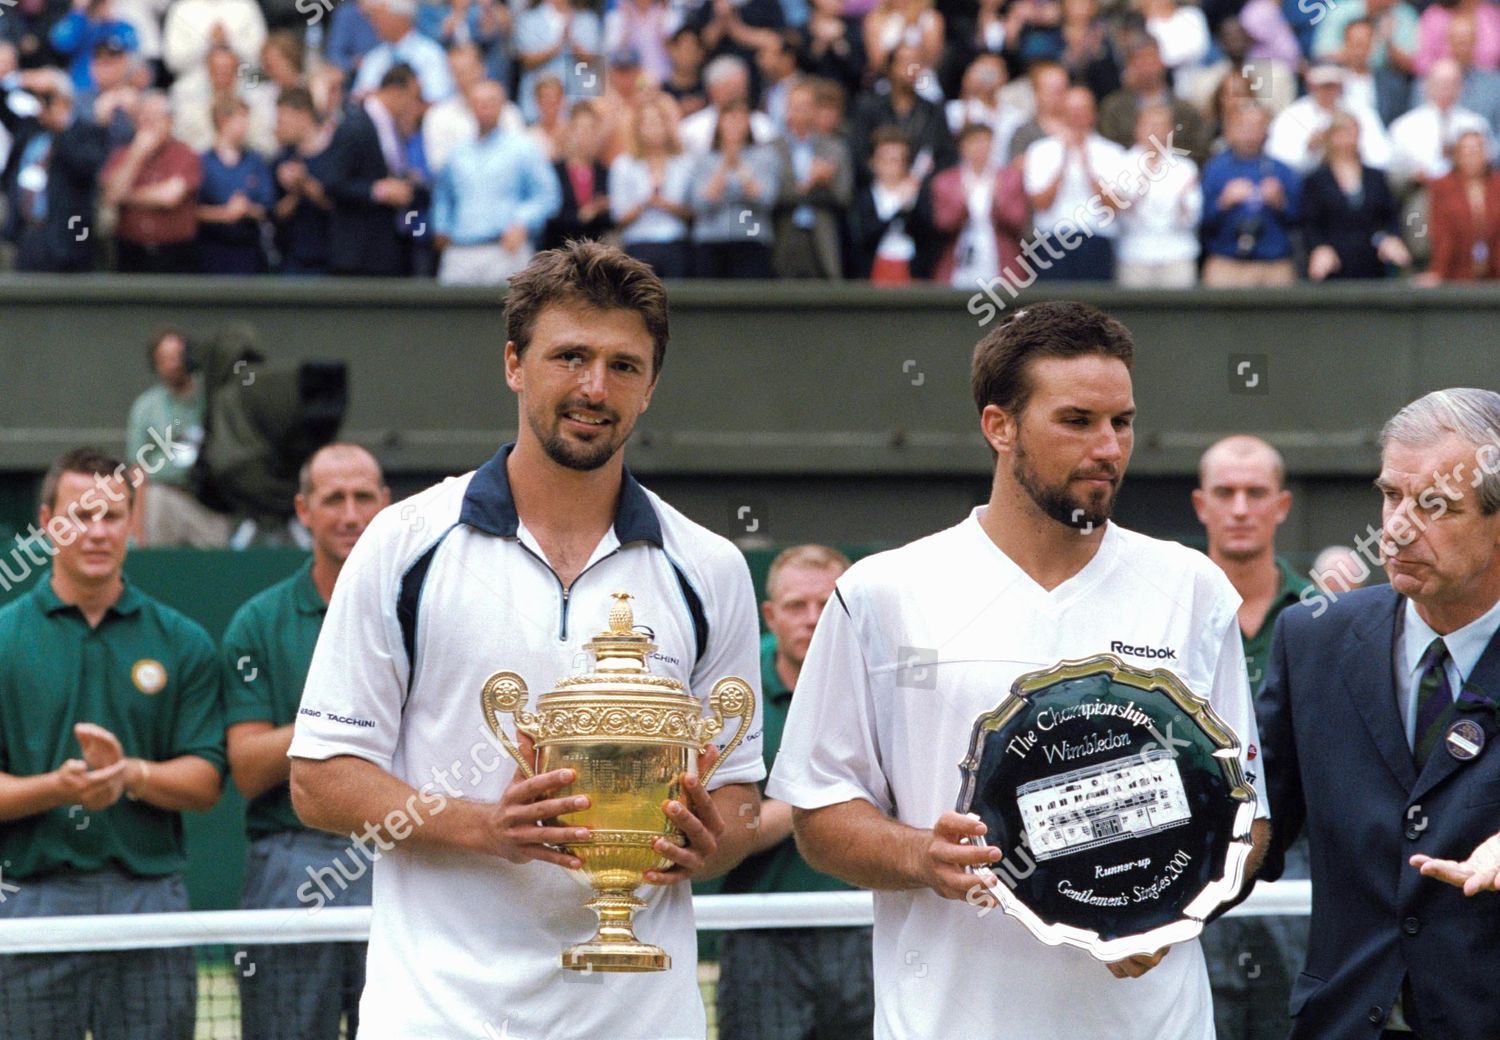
<point x="443" y="590"/>
<point x="919" y="642"/>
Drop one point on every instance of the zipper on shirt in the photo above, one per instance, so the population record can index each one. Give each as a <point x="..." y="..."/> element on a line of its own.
<point x="566" y="590"/>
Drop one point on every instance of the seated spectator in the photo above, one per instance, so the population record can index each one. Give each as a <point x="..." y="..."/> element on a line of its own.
<point x="550" y="128"/>
<point x="1349" y="216"/>
<point x="915" y="23"/>
<point x="777" y="62"/>
<point x="584" y="180"/>
<point x="648" y="190"/>
<point x="732" y="190"/>
<point x="153" y="181"/>
<point x="979" y="102"/>
<point x="486" y="24"/>
<point x="195" y="97"/>
<point x="1158" y="243"/>
<point x="1386" y="96"/>
<point x="1182" y="33"/>
<point x="899" y="105"/>
<point x="170" y="513"/>
<point x="1071" y="181"/>
<point x="644" y="26"/>
<point x="195" y="27"/>
<point x="1275" y="86"/>
<point x="833" y="45"/>
<point x="727" y="81"/>
<point x="1232" y="89"/>
<point x="1481" y="89"/>
<point x="891" y="232"/>
<point x="401" y="44"/>
<point x="89" y="23"/>
<point x="626" y="87"/>
<point x="979" y="209"/>
<point x="685" y="85"/>
<point x="555" y="37"/>
<point x="451" y="120"/>
<point x="50" y="181"/>
<point x="1395" y="34"/>
<point x="1250" y="201"/>
<point x="1049" y="87"/>
<point x="1432" y="33"/>
<point x="819" y="188"/>
<point x="492" y="200"/>
<point x="1270" y="35"/>
<point x="1297" y="135"/>
<point x="302" y="207"/>
<point x="1088" y="51"/>
<point x="1145" y="83"/>
<point x="234" y="199"/>
<point x="112" y="99"/>
<point x="1464" y="217"/>
<point x="1421" y="140"/>
<point x="371" y="182"/>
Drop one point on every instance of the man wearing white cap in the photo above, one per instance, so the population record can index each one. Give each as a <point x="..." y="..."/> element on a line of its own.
<point x="1297" y="134"/>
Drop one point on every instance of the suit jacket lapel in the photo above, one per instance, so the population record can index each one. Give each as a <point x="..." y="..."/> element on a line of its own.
<point x="1483" y="683"/>
<point x="1368" y="678"/>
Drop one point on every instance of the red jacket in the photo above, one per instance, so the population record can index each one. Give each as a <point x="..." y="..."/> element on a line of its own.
<point x="1455" y="231"/>
<point x="1009" y="215"/>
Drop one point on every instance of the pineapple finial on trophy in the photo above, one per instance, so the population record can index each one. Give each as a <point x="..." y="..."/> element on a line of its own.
<point x="621" y="617"/>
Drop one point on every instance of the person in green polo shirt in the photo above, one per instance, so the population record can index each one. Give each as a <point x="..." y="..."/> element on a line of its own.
<point x="1241" y="500"/>
<point x="111" y="726"/>
<point x="791" y="983"/>
<point x="296" y="991"/>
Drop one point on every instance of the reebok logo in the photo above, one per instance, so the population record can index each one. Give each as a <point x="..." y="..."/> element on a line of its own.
<point x="1161" y="653"/>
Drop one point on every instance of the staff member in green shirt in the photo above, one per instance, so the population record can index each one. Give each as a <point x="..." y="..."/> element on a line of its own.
<point x="791" y="983"/>
<point x="110" y="727"/>
<point x="296" y="991"/>
<point x="1241" y="501"/>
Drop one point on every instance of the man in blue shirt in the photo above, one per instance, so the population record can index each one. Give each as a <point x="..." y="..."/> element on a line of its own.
<point x="492" y="199"/>
<point x="1249" y="202"/>
<point x="401" y="44"/>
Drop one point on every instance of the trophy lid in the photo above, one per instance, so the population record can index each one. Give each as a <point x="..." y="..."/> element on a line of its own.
<point x="621" y="647"/>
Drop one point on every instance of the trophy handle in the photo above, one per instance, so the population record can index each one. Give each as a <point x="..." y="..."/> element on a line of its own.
<point x="731" y="698"/>
<point x="505" y="693"/>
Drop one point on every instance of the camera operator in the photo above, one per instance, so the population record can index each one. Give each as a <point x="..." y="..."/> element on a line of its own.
<point x="1250" y="202"/>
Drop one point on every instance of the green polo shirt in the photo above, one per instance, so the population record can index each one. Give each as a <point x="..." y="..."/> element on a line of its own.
<point x="148" y="675"/>
<point x="268" y="647"/>
<point x="1258" y="648"/>
<point x="782" y="868"/>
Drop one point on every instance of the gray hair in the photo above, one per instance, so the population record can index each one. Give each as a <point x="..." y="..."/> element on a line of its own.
<point x="1473" y="415"/>
<point x="724" y="66"/>
<point x="399" y="8"/>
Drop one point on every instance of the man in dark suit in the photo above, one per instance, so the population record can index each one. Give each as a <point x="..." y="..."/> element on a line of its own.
<point x="1380" y="720"/>
<point x="52" y="175"/>
<point x="374" y="192"/>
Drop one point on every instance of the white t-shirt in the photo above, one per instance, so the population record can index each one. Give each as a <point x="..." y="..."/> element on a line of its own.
<point x="869" y="723"/>
<point x="1160" y="226"/>
<point x="1076" y="202"/>
<point x="443" y="590"/>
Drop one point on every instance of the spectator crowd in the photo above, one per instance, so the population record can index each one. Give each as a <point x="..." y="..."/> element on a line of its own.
<point x="958" y="142"/>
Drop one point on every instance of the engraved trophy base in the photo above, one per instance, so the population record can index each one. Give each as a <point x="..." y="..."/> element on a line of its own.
<point x="614" y="946"/>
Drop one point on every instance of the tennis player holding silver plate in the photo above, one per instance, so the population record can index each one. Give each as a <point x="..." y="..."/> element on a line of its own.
<point x="1118" y="800"/>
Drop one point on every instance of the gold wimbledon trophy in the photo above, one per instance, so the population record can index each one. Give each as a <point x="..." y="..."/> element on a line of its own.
<point x="629" y="736"/>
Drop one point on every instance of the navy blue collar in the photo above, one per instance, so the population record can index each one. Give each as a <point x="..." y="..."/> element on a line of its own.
<point x="489" y="506"/>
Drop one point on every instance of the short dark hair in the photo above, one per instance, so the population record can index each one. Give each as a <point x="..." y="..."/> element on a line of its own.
<point x="298" y="99"/>
<point x="889" y="135"/>
<point x="1055" y="329"/>
<point x="162" y="334"/>
<point x="970" y="129"/>
<point x="590" y="273"/>
<point x="88" y="461"/>
<point x="732" y="105"/>
<point x="400" y="75"/>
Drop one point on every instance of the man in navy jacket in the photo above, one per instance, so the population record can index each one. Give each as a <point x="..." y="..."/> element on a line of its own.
<point x="1380" y="720"/>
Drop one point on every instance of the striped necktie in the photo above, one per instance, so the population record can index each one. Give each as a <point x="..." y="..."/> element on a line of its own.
<point x="1434" y="702"/>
